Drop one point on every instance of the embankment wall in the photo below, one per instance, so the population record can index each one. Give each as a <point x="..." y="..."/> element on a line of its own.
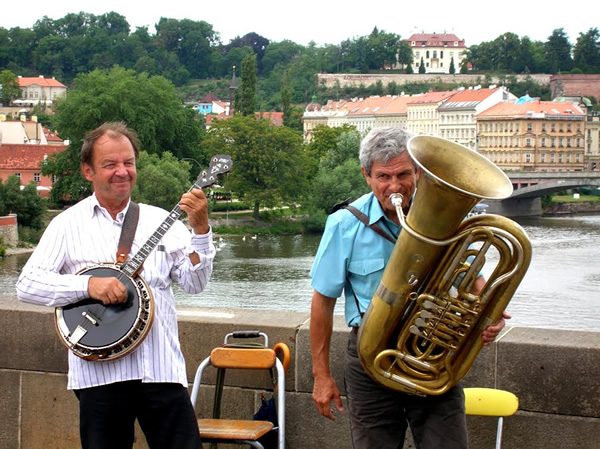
<point x="554" y="374"/>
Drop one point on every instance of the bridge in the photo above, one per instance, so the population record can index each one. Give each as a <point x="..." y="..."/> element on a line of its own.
<point x="529" y="187"/>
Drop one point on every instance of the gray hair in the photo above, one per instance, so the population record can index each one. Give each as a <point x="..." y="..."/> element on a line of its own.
<point x="381" y="145"/>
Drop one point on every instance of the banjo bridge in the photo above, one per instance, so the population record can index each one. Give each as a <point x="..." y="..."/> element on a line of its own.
<point x="91" y="318"/>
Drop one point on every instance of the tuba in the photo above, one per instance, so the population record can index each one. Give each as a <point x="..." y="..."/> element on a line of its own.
<point x="422" y="330"/>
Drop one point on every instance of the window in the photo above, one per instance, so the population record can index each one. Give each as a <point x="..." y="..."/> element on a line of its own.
<point x="529" y="126"/>
<point x="553" y="127"/>
<point x="18" y="175"/>
<point x="543" y="142"/>
<point x="37" y="177"/>
<point x="528" y="142"/>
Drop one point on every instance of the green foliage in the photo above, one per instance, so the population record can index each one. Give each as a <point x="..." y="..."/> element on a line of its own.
<point x="269" y="162"/>
<point x="586" y="53"/>
<point x="148" y="104"/>
<point x="245" y="96"/>
<point x="9" y="87"/>
<point x="161" y="180"/>
<point x="333" y="186"/>
<point x="26" y="203"/>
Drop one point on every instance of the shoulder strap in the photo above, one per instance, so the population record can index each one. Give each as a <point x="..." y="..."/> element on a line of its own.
<point x="375" y="227"/>
<point x="128" y="231"/>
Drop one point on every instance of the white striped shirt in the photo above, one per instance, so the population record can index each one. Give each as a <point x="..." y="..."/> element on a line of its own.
<point x="86" y="234"/>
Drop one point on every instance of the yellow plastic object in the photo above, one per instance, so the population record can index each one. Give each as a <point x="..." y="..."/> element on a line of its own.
<point x="490" y="402"/>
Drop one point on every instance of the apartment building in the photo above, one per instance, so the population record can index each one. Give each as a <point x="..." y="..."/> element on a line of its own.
<point x="423" y="115"/>
<point x="592" y="141"/>
<point x="457" y="115"/>
<point x="533" y="135"/>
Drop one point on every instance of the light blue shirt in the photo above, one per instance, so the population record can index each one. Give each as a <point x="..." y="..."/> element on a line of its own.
<point x="351" y="257"/>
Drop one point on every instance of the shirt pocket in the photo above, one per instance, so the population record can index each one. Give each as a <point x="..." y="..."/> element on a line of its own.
<point x="364" y="276"/>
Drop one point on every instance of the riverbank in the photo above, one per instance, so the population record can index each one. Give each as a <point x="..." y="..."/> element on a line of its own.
<point x="572" y="208"/>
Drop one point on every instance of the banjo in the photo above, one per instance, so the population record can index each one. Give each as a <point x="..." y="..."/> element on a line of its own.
<point x="94" y="331"/>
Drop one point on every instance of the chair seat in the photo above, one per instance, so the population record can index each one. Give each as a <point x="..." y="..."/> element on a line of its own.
<point x="233" y="429"/>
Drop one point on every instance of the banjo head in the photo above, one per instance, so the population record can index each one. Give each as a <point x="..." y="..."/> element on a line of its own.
<point x="94" y="331"/>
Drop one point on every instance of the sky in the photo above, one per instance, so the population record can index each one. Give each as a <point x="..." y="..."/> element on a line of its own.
<point x="331" y="22"/>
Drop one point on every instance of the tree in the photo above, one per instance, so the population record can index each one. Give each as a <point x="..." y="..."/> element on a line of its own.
<point x="346" y="148"/>
<point x="190" y="41"/>
<point x="148" y="104"/>
<point x="269" y="163"/>
<point x="9" y="87"/>
<point x="558" y="52"/>
<point x="292" y="115"/>
<point x="405" y="56"/>
<point x="245" y="95"/>
<point x="256" y="42"/>
<point x="26" y="203"/>
<point x="452" y="69"/>
<point x="422" y="66"/>
<point x="325" y="140"/>
<point x="161" y="180"/>
<point x="586" y="53"/>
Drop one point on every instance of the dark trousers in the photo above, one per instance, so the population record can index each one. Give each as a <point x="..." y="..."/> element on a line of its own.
<point x="164" y="411"/>
<point x="380" y="416"/>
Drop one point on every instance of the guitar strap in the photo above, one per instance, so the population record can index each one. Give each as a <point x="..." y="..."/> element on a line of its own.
<point x="128" y="231"/>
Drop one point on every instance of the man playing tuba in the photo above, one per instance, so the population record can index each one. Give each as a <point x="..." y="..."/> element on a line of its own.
<point x="351" y="258"/>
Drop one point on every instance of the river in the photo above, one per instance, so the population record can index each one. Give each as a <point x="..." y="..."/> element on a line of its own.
<point x="559" y="291"/>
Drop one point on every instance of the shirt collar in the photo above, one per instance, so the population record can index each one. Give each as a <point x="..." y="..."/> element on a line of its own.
<point x="375" y="211"/>
<point x="96" y="208"/>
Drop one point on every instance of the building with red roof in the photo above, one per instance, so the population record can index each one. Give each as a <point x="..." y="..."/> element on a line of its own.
<point x="457" y="115"/>
<point x="437" y="52"/>
<point x="533" y="135"/>
<point x="39" y="89"/>
<point x="24" y="145"/>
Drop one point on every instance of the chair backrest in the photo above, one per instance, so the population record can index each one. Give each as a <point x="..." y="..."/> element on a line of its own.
<point x="250" y="357"/>
<point x="490" y="402"/>
<point x="242" y="358"/>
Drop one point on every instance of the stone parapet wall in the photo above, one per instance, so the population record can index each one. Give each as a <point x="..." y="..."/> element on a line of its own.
<point x="9" y="234"/>
<point x="356" y="80"/>
<point x="554" y="374"/>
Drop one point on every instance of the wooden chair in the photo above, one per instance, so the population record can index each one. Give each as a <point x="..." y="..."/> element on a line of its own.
<point x="491" y="402"/>
<point x="255" y="357"/>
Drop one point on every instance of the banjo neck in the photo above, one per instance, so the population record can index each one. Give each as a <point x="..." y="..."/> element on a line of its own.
<point x="219" y="164"/>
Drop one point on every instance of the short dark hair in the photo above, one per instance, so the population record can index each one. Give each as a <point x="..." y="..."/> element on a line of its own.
<point x="113" y="130"/>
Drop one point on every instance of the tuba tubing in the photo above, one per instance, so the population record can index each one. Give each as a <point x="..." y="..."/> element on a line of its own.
<point x="422" y="330"/>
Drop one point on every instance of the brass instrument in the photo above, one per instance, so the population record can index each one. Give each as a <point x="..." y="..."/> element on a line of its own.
<point x="422" y="331"/>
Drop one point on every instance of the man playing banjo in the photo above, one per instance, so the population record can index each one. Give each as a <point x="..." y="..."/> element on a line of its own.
<point x="149" y="383"/>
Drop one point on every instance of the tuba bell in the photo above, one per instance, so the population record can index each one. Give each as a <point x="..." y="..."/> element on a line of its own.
<point x="422" y="331"/>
